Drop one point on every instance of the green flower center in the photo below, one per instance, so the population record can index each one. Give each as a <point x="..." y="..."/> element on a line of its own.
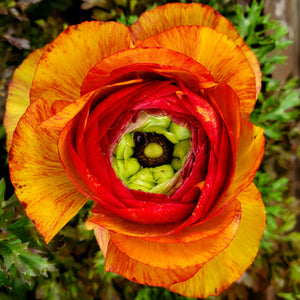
<point x="153" y="150"/>
<point x="148" y="158"/>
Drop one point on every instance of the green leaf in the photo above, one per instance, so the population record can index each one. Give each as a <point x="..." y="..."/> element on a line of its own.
<point x="27" y="261"/>
<point x="20" y="228"/>
<point x="295" y="272"/>
<point x="2" y="189"/>
<point x="4" y="280"/>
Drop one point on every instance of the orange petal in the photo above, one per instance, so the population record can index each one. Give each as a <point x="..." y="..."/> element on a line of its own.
<point x="228" y="266"/>
<point x="165" y="17"/>
<point x="102" y="236"/>
<point x="49" y="198"/>
<point x="249" y="157"/>
<point x="104" y="218"/>
<point x="67" y="60"/>
<point x="159" y="60"/>
<point x="217" y="53"/>
<point x="59" y="120"/>
<point x="18" y="93"/>
<point x="176" y="254"/>
<point x="120" y="263"/>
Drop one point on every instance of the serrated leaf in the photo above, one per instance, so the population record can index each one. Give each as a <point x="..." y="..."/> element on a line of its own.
<point x="20" y="228"/>
<point x="26" y="261"/>
<point x="36" y="265"/>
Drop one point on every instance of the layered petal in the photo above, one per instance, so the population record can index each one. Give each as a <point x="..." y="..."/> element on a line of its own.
<point x="249" y="157"/>
<point x="88" y="88"/>
<point x="49" y="198"/>
<point x="162" y="18"/>
<point x="120" y="263"/>
<point x="163" y="234"/>
<point x="147" y="63"/>
<point x="18" y="98"/>
<point x="229" y="265"/>
<point x="67" y="60"/>
<point x="176" y="254"/>
<point x="217" y="53"/>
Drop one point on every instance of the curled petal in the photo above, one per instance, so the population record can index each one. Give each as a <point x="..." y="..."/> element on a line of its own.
<point x="120" y="263"/>
<point x="229" y="265"/>
<point x="164" y="17"/>
<point x="102" y="236"/>
<point x="217" y="53"/>
<point x="19" y="93"/>
<point x="49" y="198"/>
<point x="176" y="255"/>
<point x="163" y="234"/>
<point x="145" y="61"/>
<point x="67" y="60"/>
<point x="249" y="157"/>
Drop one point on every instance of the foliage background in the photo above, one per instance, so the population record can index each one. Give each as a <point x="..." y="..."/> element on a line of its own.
<point x="71" y="266"/>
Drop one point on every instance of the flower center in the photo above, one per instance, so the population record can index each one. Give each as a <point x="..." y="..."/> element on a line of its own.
<point x="148" y="158"/>
<point x="152" y="149"/>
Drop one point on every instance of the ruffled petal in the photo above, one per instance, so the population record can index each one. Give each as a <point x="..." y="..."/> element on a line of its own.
<point x="176" y="254"/>
<point x="229" y="265"/>
<point x="67" y="60"/>
<point x="163" y="234"/>
<point x="49" y="198"/>
<point x="217" y="53"/>
<point x="144" y="61"/>
<point x="120" y="263"/>
<point x="18" y="98"/>
<point x="167" y="16"/>
<point x="250" y="154"/>
<point x="102" y="236"/>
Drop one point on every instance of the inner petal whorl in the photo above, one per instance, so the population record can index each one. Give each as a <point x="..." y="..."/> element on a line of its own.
<point x="147" y="158"/>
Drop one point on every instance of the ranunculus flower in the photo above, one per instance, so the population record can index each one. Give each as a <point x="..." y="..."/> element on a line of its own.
<point x="152" y="123"/>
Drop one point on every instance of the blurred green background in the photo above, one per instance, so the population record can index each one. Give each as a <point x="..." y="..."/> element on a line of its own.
<point x="71" y="266"/>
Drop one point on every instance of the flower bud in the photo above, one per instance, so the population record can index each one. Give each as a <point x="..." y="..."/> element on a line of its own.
<point x="176" y="164"/>
<point x="132" y="166"/>
<point x="143" y="180"/>
<point x="163" y="122"/>
<point x="125" y="147"/>
<point x="163" y="173"/>
<point x="180" y="132"/>
<point x="181" y="149"/>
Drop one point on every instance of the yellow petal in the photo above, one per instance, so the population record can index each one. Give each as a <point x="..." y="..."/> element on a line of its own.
<point x="18" y="93"/>
<point x="229" y="265"/>
<point x="176" y="14"/>
<point x="49" y="198"/>
<point x="217" y="53"/>
<point x="67" y="60"/>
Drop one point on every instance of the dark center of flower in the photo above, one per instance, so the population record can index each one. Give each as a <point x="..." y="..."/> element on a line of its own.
<point x="152" y="149"/>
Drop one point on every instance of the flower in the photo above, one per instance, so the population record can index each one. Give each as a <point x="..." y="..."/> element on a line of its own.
<point x="152" y="123"/>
